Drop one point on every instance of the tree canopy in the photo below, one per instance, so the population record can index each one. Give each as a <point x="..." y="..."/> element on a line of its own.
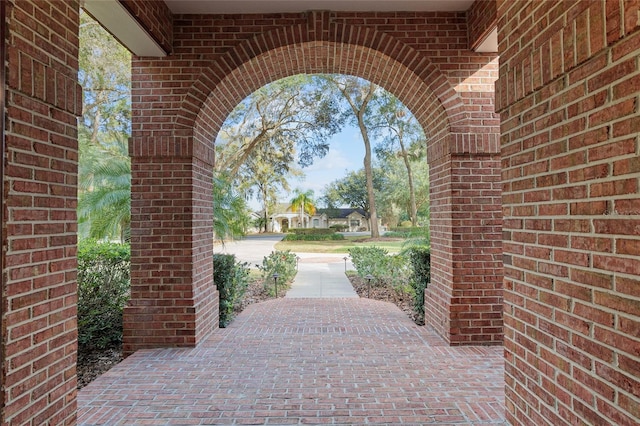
<point x="359" y="96"/>
<point x="104" y="204"/>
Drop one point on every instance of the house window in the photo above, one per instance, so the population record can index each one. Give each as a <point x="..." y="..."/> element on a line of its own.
<point x="355" y="222"/>
<point x="316" y="223"/>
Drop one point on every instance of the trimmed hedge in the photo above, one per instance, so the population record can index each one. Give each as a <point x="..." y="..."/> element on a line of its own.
<point x="312" y="237"/>
<point x="103" y="290"/>
<point x="231" y="278"/>
<point x="312" y="231"/>
<point x="420" y="258"/>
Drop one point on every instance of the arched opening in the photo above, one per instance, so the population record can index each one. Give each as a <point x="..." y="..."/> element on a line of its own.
<point x="455" y="150"/>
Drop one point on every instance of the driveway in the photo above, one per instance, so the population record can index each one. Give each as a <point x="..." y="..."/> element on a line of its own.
<point x="252" y="248"/>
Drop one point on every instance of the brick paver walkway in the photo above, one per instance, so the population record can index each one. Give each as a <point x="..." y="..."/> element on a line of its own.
<point x="305" y="361"/>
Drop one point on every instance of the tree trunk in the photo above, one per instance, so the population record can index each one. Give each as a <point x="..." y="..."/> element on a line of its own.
<point x="412" y="194"/>
<point x="368" y="171"/>
<point x="266" y="216"/>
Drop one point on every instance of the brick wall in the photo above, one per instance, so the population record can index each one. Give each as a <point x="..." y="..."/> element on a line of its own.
<point x="43" y="100"/>
<point x="482" y="18"/>
<point x="568" y="98"/>
<point x="181" y="101"/>
<point x="155" y="17"/>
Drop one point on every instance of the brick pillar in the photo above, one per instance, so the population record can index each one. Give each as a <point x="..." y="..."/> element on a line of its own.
<point x="464" y="300"/>
<point x="43" y="100"/>
<point x="173" y="299"/>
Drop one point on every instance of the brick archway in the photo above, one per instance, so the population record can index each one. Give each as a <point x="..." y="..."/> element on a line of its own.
<point x="569" y="111"/>
<point x="177" y="304"/>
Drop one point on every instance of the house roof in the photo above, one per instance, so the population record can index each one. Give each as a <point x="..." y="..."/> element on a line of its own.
<point x="340" y="213"/>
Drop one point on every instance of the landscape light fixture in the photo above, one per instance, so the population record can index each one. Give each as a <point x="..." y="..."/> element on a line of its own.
<point x="368" y="277"/>
<point x="275" y="282"/>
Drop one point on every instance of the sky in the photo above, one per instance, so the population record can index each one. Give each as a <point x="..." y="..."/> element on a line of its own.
<point x="346" y="153"/>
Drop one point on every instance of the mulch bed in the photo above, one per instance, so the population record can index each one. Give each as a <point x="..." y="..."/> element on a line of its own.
<point x="92" y="364"/>
<point x="386" y="294"/>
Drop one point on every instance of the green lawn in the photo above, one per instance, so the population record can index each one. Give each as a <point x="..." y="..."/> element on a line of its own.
<point x="341" y="246"/>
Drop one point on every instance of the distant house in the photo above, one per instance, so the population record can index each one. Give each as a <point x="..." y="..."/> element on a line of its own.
<point x="284" y="218"/>
<point x="354" y="219"/>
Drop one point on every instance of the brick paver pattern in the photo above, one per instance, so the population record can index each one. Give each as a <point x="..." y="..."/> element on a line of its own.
<point x="305" y="361"/>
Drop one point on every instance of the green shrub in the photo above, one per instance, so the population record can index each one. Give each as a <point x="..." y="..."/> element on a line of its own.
<point x="420" y="258"/>
<point x="231" y="278"/>
<point x="339" y="227"/>
<point x="313" y="237"/>
<point x="369" y="261"/>
<point x="386" y="269"/>
<point x="103" y="291"/>
<point x="282" y="263"/>
<point x="312" y="231"/>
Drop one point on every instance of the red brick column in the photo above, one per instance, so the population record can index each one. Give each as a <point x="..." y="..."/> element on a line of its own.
<point x="174" y="301"/>
<point x="568" y="96"/>
<point x="43" y="100"/>
<point x="464" y="300"/>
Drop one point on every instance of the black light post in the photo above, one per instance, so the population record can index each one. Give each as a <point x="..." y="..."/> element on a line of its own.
<point x="275" y="283"/>
<point x="369" y="277"/>
<point x="297" y="262"/>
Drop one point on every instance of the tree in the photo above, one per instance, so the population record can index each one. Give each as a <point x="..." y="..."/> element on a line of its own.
<point x="105" y="76"/>
<point x="359" y="94"/>
<point x="303" y="202"/>
<point x="394" y="194"/>
<point x="104" y="204"/>
<point x="266" y="173"/>
<point x="351" y="190"/>
<point x="230" y="219"/>
<point x="403" y="136"/>
<point x="285" y="123"/>
<point x="288" y="115"/>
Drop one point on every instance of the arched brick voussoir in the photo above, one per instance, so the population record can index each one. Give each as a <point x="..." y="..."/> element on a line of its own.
<point x="354" y="50"/>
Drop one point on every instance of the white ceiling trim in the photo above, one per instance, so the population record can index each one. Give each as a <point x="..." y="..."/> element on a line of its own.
<point x="119" y="22"/>
<point x="490" y="43"/>
<point x="295" y="6"/>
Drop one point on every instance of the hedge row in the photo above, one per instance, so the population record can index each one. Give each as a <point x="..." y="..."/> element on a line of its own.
<point x="312" y="237"/>
<point x="312" y="231"/>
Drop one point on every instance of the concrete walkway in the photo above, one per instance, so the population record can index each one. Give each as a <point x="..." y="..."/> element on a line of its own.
<point x="346" y="361"/>
<point x="321" y="275"/>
